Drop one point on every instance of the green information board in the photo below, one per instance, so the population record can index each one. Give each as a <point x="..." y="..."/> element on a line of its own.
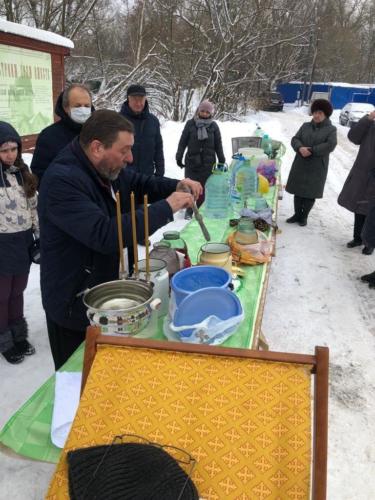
<point x="26" y="99"/>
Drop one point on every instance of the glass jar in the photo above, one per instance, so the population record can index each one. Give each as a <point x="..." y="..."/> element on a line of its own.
<point x="163" y="251"/>
<point x="175" y="241"/>
<point x="246" y="233"/>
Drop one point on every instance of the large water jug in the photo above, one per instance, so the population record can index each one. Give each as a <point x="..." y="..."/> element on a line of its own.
<point x="217" y="193"/>
<point x="258" y="132"/>
<point x="244" y="184"/>
<point x="267" y="145"/>
<point x="234" y="194"/>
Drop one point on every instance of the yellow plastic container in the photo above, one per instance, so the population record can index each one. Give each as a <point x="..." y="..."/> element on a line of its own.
<point x="263" y="184"/>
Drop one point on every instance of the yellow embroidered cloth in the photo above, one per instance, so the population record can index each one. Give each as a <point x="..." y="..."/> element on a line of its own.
<point x="246" y="422"/>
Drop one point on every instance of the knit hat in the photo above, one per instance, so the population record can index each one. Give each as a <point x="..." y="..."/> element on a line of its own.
<point x="128" y="470"/>
<point x="206" y="105"/>
<point x="322" y="105"/>
<point x="9" y="134"/>
<point x="136" y="90"/>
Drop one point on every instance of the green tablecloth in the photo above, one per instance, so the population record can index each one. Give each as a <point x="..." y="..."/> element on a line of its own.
<point x="27" y="432"/>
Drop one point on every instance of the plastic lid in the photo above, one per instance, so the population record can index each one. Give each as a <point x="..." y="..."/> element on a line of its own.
<point x="171" y="235"/>
<point x="199" y="305"/>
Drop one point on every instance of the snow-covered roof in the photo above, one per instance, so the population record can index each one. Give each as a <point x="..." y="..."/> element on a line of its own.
<point x="340" y="84"/>
<point x="35" y="33"/>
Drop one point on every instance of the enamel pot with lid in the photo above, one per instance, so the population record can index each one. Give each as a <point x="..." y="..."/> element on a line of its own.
<point x="121" y="307"/>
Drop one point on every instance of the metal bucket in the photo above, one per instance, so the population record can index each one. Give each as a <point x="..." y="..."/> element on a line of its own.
<point x="121" y="307"/>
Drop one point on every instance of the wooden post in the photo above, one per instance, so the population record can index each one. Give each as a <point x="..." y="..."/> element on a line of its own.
<point x="320" y="429"/>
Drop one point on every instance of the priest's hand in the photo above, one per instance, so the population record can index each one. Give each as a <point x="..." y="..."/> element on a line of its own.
<point x="193" y="187"/>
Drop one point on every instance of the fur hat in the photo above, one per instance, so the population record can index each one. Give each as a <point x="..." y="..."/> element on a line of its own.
<point x="322" y="105"/>
<point x="206" y="105"/>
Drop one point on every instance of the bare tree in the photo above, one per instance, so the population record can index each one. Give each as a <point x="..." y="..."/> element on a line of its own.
<point x="231" y="51"/>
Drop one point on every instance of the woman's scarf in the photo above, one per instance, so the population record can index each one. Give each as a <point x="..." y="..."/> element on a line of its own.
<point x="202" y="126"/>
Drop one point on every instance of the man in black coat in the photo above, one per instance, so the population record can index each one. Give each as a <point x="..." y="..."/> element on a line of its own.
<point x="73" y="106"/>
<point x="148" y="156"/>
<point x="78" y="229"/>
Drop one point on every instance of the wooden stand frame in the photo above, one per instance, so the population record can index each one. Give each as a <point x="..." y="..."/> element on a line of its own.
<point x="318" y="361"/>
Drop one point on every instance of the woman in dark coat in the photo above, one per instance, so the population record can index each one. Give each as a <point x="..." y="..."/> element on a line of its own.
<point x="201" y="136"/>
<point x="359" y="188"/>
<point x="313" y="143"/>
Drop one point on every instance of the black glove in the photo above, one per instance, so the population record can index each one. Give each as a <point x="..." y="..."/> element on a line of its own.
<point x="34" y="251"/>
<point x="180" y="164"/>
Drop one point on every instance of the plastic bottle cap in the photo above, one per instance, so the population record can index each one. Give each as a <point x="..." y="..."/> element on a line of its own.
<point x="171" y="235"/>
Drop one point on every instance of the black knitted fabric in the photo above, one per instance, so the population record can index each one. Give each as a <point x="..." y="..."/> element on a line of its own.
<point x="130" y="471"/>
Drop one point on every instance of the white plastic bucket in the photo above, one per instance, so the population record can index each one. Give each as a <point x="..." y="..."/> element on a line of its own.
<point x="160" y="278"/>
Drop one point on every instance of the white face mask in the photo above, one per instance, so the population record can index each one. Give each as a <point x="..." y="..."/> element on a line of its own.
<point x="81" y="114"/>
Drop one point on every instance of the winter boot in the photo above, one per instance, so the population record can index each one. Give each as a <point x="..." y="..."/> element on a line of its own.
<point x="306" y="204"/>
<point x="13" y="356"/>
<point x="368" y="278"/>
<point x="297" y="210"/>
<point x="24" y="347"/>
<point x="354" y="243"/>
<point x="8" y="349"/>
<point x="367" y="250"/>
<point x="19" y="331"/>
<point x="292" y="219"/>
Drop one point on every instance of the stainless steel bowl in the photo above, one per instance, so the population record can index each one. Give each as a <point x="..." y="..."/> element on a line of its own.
<point x="123" y="306"/>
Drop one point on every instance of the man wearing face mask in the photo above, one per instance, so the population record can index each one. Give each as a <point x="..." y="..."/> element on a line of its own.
<point x="73" y="106"/>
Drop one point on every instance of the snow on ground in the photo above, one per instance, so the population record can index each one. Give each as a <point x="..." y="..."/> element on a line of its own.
<point x="314" y="298"/>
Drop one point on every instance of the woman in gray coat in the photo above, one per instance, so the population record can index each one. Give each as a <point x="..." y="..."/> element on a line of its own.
<point x="313" y="143"/>
<point x="359" y="187"/>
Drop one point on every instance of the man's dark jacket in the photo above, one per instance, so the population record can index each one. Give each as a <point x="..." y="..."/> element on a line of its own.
<point x="148" y="156"/>
<point x="53" y="139"/>
<point x="78" y="229"/>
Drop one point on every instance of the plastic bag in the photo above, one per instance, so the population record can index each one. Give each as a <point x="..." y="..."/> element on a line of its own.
<point x="212" y="330"/>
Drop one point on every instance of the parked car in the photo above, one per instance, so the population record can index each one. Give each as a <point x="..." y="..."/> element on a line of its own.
<point x="273" y="101"/>
<point x="352" y="112"/>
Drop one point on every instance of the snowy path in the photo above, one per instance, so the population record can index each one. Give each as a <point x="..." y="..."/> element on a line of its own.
<point x="314" y="298"/>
